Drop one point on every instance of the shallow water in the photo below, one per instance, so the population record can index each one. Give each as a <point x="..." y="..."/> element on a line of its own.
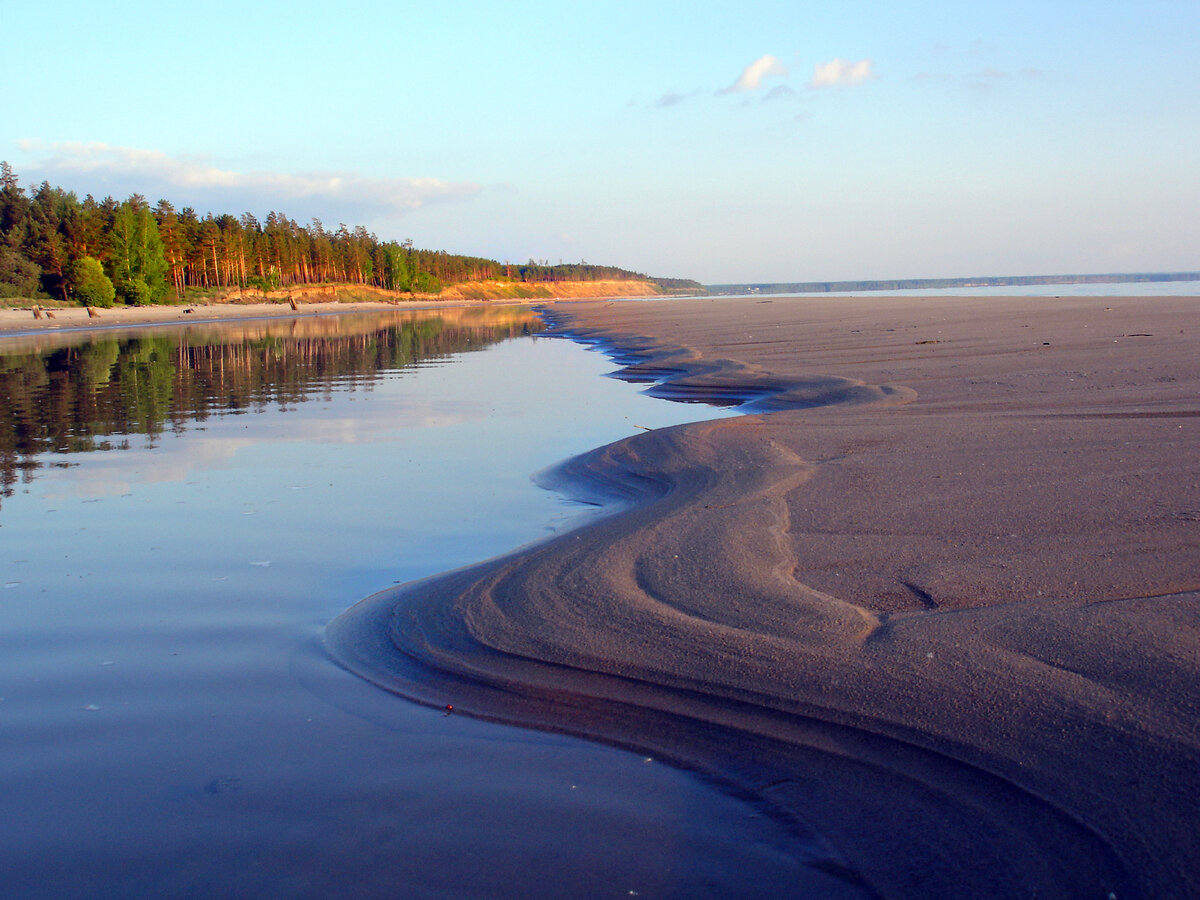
<point x="184" y="513"/>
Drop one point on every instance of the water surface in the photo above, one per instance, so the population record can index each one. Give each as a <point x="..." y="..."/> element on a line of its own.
<point x="185" y="510"/>
<point x="1091" y="289"/>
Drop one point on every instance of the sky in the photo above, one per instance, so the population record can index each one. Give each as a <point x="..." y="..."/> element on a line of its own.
<point x="750" y="142"/>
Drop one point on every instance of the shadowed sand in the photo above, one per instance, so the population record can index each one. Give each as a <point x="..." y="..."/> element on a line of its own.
<point x="937" y="610"/>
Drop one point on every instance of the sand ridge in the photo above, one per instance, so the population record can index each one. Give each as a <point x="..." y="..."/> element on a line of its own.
<point x="946" y="623"/>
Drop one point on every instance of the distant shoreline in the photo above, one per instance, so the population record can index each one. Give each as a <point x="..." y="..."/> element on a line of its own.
<point x="309" y="300"/>
<point x="924" y="284"/>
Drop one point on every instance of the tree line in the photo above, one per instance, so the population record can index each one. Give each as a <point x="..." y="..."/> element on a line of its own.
<point x="52" y="244"/>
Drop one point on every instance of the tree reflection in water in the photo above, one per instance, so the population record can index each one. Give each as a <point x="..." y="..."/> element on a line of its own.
<point x="74" y="393"/>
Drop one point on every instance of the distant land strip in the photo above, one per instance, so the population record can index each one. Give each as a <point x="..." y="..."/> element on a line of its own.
<point x="919" y="284"/>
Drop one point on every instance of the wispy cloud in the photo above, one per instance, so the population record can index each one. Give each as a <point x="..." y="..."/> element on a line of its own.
<point x="158" y="173"/>
<point x="837" y="73"/>
<point x="752" y="76"/>
<point x="673" y="98"/>
<point x="980" y="81"/>
<point x="841" y="73"/>
<point x="779" y="92"/>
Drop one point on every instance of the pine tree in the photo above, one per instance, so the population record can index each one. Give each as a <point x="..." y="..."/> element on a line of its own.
<point x="137" y="263"/>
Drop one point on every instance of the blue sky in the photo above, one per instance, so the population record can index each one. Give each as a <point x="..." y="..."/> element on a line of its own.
<point x="760" y="141"/>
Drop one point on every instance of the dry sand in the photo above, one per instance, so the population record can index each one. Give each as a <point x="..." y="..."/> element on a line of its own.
<point x="943" y="622"/>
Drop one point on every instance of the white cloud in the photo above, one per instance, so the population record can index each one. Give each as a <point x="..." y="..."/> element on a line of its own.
<point x="177" y="458"/>
<point x="841" y="73"/>
<point x="154" y="173"/>
<point x="752" y="76"/>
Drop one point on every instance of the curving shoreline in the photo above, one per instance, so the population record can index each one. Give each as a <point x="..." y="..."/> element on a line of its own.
<point x="860" y="613"/>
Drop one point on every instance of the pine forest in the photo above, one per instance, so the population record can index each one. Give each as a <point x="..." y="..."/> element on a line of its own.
<point x="97" y="253"/>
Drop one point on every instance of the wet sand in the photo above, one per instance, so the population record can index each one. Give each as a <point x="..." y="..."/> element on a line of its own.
<point x="936" y="608"/>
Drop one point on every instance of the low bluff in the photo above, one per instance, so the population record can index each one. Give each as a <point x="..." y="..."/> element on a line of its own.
<point x="470" y="290"/>
<point x="551" y="290"/>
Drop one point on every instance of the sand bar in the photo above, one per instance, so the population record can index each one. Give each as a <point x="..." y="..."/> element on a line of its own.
<point x="937" y="609"/>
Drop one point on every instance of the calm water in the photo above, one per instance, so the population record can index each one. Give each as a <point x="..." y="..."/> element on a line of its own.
<point x="183" y="512"/>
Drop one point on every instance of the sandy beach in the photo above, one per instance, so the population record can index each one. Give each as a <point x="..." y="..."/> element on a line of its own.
<point x="934" y="606"/>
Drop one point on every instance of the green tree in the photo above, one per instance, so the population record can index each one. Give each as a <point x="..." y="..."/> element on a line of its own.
<point x="398" y="278"/>
<point x="136" y="260"/>
<point x="135" y="292"/>
<point x="14" y="209"/>
<point x="425" y="283"/>
<point x="19" y="275"/>
<point x="44" y="241"/>
<point x="174" y="238"/>
<point x="91" y="286"/>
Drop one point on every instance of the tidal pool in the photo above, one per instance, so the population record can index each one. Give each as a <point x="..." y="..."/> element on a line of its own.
<point x="185" y="509"/>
